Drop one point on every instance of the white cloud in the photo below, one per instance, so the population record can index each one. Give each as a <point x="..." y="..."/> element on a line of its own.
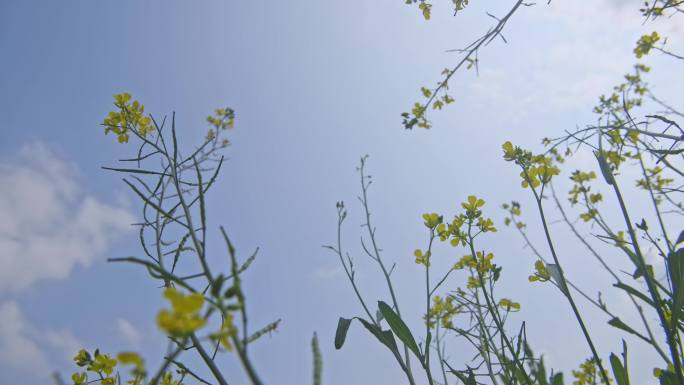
<point x="129" y="332"/>
<point x="328" y="273"/>
<point x="17" y="348"/>
<point x="570" y="54"/>
<point x="48" y="224"/>
<point x="26" y="348"/>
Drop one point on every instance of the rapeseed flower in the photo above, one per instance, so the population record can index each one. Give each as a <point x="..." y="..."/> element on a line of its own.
<point x="184" y="317"/>
<point x="130" y="116"/>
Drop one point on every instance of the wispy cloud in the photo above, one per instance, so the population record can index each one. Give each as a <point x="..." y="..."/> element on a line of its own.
<point x="48" y="224"/>
<point x="328" y="273"/>
<point x="26" y="348"/>
<point x="577" y="53"/>
<point x="129" y="332"/>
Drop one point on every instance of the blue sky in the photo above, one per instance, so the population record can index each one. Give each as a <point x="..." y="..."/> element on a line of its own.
<point x="315" y="85"/>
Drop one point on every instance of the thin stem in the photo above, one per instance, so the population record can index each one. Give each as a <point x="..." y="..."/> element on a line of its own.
<point x="563" y="283"/>
<point x="378" y="259"/>
<point x="671" y="341"/>
<point x="426" y="365"/>
<point x="207" y="360"/>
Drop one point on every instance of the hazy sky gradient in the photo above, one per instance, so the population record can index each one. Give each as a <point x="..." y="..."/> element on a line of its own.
<point x="316" y="85"/>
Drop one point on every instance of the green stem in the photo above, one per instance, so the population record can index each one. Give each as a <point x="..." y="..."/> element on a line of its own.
<point x="653" y="290"/>
<point x="207" y="360"/>
<point x="564" y="285"/>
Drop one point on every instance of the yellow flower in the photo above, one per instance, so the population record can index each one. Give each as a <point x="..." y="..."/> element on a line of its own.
<point x="509" y="151"/>
<point x="465" y="261"/>
<point x="223" y="118"/>
<point x="432" y="220"/>
<point x="184" y="317"/>
<point x="509" y="305"/>
<point x="79" y="378"/>
<point x="473" y="203"/>
<point x="108" y="381"/>
<point x="184" y="303"/>
<point x="103" y="363"/>
<point x="442" y="310"/>
<point x="541" y="274"/>
<point x="645" y="44"/>
<point x="130" y="358"/>
<point x="167" y="379"/>
<point x="473" y="283"/>
<point x="130" y="116"/>
<point x="422" y="259"/>
<point x="529" y="176"/>
<point x="82" y="358"/>
<point x="484" y="262"/>
<point x="486" y="225"/>
<point x="224" y="334"/>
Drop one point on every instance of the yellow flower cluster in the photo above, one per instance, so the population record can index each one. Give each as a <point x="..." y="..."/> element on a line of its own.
<point x="167" y="379"/>
<point x="432" y="220"/>
<point x="473" y="283"/>
<point x="645" y="44"/>
<point x="453" y="231"/>
<point x="184" y="317"/>
<point x="128" y="117"/>
<point x="509" y="305"/>
<point x="422" y="258"/>
<point x="226" y="332"/>
<point x="536" y="169"/>
<point x="486" y="225"/>
<point x="442" y="311"/>
<point x="472" y="206"/>
<point x="103" y="365"/>
<point x="655" y="181"/>
<point x="482" y="262"/>
<point x="588" y="373"/>
<point x="223" y="119"/>
<point x="514" y="211"/>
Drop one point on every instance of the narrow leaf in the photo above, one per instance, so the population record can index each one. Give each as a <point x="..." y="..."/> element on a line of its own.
<point x="399" y="328"/>
<point x="341" y="333"/>
<point x="634" y="292"/>
<point x="617" y="323"/>
<point x="384" y="336"/>
<point x="619" y="371"/>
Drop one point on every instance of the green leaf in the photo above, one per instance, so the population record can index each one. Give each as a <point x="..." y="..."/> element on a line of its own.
<point x="605" y="168"/>
<point x="619" y="372"/>
<point x="557" y="379"/>
<point x="384" y="336"/>
<point x="675" y="263"/>
<point x="134" y="171"/>
<point x="680" y="238"/>
<point x="428" y="340"/>
<point x="341" y="333"/>
<point x="617" y="323"/>
<point x="634" y="292"/>
<point x="668" y="378"/>
<point x="400" y="329"/>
